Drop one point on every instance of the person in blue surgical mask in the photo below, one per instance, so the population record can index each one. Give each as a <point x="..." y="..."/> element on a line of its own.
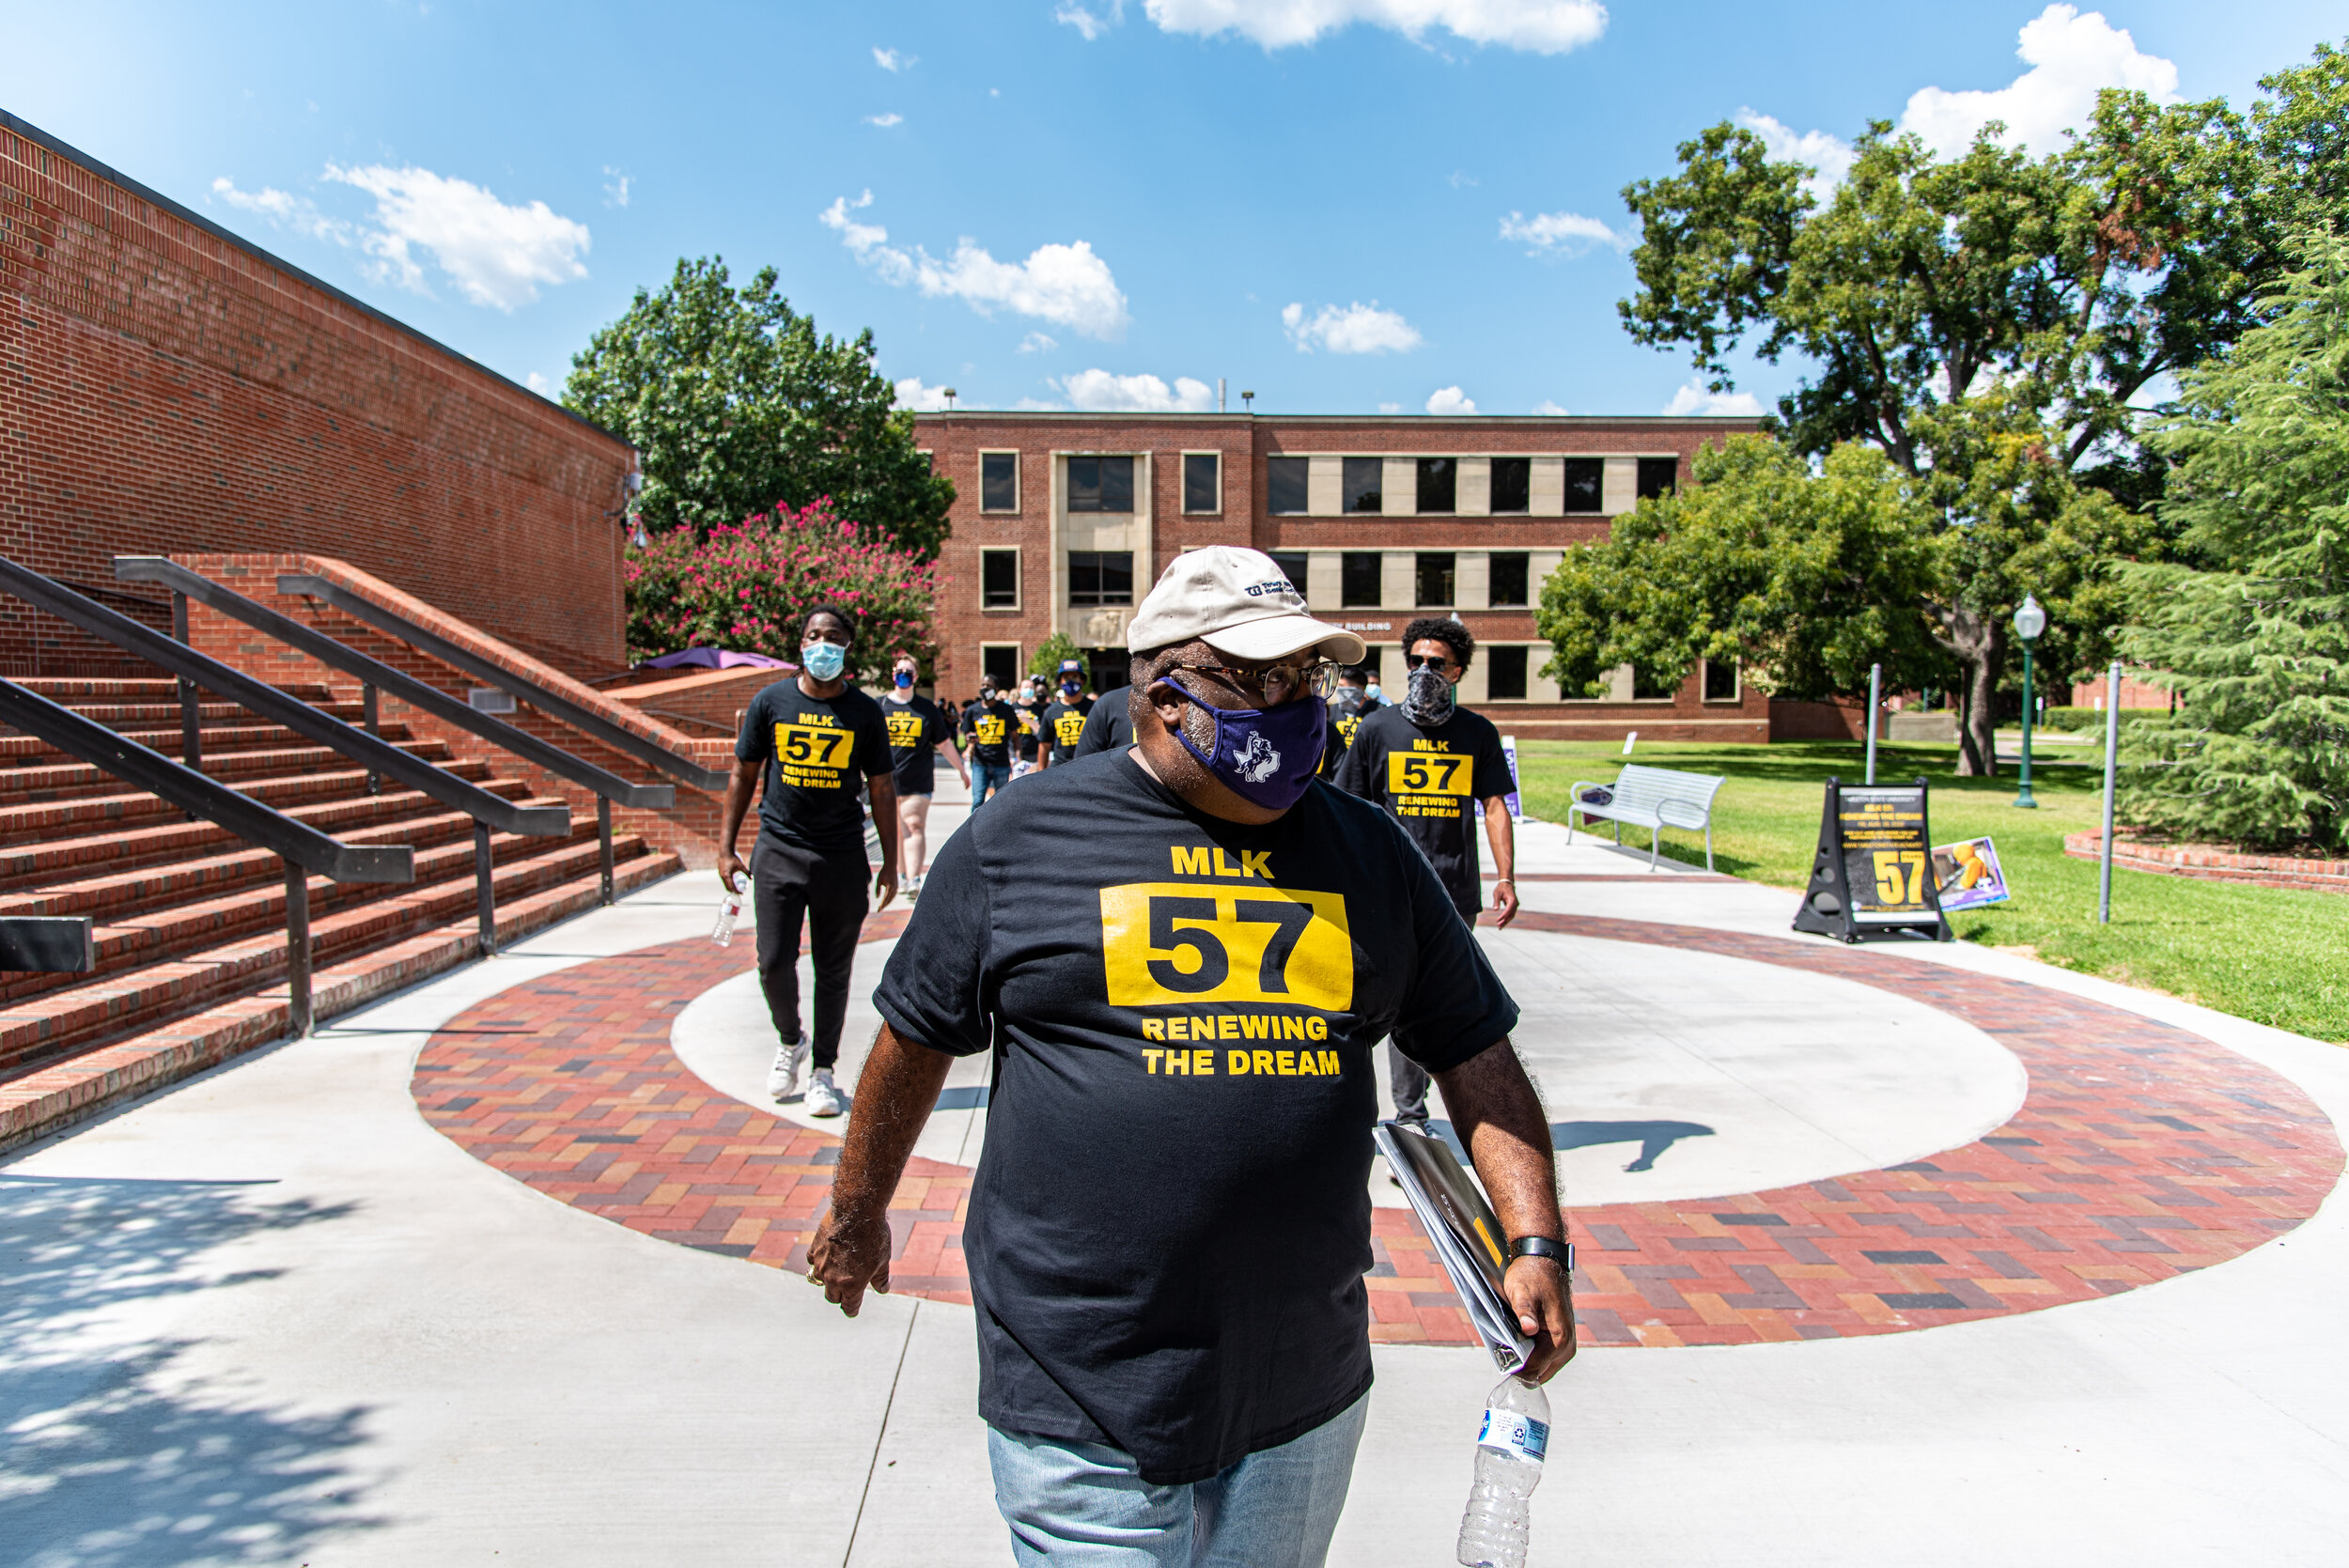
<point x="808" y="745"/>
<point x="1182" y="954"/>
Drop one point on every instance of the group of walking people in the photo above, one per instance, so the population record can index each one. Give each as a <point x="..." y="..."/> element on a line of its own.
<point x="1178" y="944"/>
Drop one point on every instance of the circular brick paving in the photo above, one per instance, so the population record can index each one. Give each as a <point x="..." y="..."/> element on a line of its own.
<point x="2140" y="1152"/>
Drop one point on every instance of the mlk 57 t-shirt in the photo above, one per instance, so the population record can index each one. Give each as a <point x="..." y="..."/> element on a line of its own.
<point x="1064" y="725"/>
<point x="990" y="726"/>
<point x="818" y="752"/>
<point x="1431" y="780"/>
<point x="916" y="726"/>
<point x="1170" y="1226"/>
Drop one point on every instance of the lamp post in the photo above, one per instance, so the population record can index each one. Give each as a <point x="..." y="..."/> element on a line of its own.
<point x="2030" y="621"/>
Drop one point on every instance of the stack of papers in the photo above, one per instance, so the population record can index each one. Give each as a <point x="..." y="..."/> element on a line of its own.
<point x="1465" y="1231"/>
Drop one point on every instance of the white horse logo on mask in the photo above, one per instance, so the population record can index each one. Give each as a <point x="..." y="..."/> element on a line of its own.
<point x="1260" y="761"/>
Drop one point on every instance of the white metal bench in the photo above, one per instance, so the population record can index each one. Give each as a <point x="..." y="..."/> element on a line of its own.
<point x="1655" y="798"/>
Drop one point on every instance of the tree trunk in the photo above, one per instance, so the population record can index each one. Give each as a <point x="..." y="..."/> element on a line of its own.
<point x="1975" y="640"/>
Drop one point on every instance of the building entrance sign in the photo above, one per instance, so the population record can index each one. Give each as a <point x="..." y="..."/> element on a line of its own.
<point x="1872" y="873"/>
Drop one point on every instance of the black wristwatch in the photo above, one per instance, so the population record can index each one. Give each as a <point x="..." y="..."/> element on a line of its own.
<point x="1542" y="1246"/>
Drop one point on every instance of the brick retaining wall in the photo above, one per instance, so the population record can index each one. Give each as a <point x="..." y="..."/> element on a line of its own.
<point x="2208" y="863"/>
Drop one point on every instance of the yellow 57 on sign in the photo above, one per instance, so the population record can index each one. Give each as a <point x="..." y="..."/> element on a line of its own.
<point x="1900" y="877"/>
<point x="1170" y="943"/>
<point x="1426" y="774"/>
<point x="812" y="746"/>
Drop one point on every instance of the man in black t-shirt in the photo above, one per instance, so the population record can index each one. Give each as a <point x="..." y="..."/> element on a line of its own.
<point x="1064" y="717"/>
<point x="919" y="735"/>
<point x="1182" y="956"/>
<point x="807" y="745"/>
<point x="1110" y="727"/>
<point x="1347" y="709"/>
<point x="987" y="730"/>
<point x="1429" y="760"/>
<point x="1027" y="737"/>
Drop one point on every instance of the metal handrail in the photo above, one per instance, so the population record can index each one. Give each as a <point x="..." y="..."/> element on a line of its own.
<point x="380" y="757"/>
<point x="609" y="787"/>
<point x="547" y="700"/>
<point x="301" y="848"/>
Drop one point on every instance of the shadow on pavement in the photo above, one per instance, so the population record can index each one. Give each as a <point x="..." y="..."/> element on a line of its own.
<point x="1654" y="1138"/>
<point x="113" y="1456"/>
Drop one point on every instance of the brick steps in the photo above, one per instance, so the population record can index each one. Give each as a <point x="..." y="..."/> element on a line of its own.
<point x="38" y="786"/>
<point x="44" y="820"/>
<point x="56" y="1097"/>
<point x="219" y="739"/>
<point x="36" y="1029"/>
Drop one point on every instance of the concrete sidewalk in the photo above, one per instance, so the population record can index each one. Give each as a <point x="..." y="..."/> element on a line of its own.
<point x="272" y="1316"/>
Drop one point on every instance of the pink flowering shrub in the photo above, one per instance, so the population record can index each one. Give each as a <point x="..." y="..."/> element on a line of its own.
<point x="744" y="586"/>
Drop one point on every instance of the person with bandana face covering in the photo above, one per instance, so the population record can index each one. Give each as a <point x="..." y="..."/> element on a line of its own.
<point x="814" y="740"/>
<point x="1429" y="760"/>
<point x="1181" y="956"/>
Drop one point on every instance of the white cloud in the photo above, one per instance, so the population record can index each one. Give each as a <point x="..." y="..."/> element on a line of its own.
<point x="540" y="384"/>
<point x="1091" y="23"/>
<point x="281" y="206"/>
<point x="1354" y="329"/>
<point x="1065" y="284"/>
<point x="885" y="121"/>
<point x="1390" y="408"/>
<point x="892" y="59"/>
<point x="1541" y="27"/>
<point x="615" y="188"/>
<point x="913" y="392"/>
<point x="495" y="253"/>
<point x="1140" y="393"/>
<point x="1038" y="343"/>
<point x="1548" y="410"/>
<point x="2071" y="57"/>
<point x="1450" y="399"/>
<point x="1560" y="233"/>
<point x="1694" y="399"/>
<point x="1824" y="151"/>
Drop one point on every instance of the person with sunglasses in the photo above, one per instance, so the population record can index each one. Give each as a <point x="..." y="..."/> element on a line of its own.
<point x="807" y="744"/>
<point x="1182" y="956"/>
<point x="1429" y="762"/>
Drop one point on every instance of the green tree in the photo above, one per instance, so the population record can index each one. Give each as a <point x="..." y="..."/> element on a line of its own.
<point x="2256" y="649"/>
<point x="1990" y="322"/>
<point x="1049" y="653"/>
<point x="738" y="406"/>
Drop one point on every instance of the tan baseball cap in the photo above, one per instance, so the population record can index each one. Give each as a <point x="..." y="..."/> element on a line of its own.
<point x="1241" y="603"/>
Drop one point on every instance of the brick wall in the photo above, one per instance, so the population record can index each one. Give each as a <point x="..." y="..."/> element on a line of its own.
<point x="166" y="388"/>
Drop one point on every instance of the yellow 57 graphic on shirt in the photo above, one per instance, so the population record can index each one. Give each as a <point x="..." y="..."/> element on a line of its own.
<point x="1426" y="774"/>
<point x="1167" y="943"/>
<point x="812" y="746"/>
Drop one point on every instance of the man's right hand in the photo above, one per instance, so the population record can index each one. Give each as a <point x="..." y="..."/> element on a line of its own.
<point x="847" y="1259"/>
<point x="730" y="866"/>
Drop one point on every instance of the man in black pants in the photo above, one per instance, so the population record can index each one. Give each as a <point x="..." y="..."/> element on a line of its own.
<point x="1429" y="760"/>
<point x="813" y="737"/>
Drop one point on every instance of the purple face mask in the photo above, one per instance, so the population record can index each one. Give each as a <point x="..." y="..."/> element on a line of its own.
<point x="1268" y="755"/>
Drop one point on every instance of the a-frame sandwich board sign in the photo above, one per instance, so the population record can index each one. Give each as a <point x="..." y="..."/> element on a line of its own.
<point x="1872" y="874"/>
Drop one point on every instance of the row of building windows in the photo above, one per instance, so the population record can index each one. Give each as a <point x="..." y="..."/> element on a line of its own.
<point x="1106" y="484"/>
<point x="1100" y="576"/>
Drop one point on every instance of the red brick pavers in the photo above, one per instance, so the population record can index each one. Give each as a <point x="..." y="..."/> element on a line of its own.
<point x="2140" y="1152"/>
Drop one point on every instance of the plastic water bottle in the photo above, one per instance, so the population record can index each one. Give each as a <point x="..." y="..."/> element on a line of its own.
<point x="1509" y="1451"/>
<point x="730" y="910"/>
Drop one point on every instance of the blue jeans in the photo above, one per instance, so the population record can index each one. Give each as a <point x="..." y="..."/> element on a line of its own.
<point x="986" y="779"/>
<point x="1082" y="1504"/>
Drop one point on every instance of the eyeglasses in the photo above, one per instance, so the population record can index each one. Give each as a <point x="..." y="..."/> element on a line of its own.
<point x="1273" y="684"/>
<point x="1422" y="661"/>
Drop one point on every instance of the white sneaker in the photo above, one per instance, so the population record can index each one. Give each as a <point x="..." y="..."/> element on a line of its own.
<point x="823" y="1098"/>
<point x="782" y="1078"/>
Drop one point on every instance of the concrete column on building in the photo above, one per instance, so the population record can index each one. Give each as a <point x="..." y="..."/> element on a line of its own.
<point x="1399" y="487"/>
<point x="1476" y="487"/>
<point x="1621" y="683"/>
<point x="1325" y="486"/>
<point x="1398" y="578"/>
<point x="1549" y="496"/>
<point x="1100" y="626"/>
<point x="1539" y="566"/>
<point x="1619" y="489"/>
<point x="1471" y="580"/>
<point x="1325" y="580"/>
<point x="1473" y="687"/>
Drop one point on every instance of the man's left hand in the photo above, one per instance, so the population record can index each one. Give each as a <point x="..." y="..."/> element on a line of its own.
<point x="1543" y="1298"/>
<point x="884" y="887"/>
<point x="1504" y="900"/>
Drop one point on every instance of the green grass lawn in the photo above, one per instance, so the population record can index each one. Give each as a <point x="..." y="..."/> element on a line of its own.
<point x="2267" y="954"/>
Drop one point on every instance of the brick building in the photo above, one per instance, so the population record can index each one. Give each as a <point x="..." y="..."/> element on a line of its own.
<point x="1062" y="520"/>
<point x="166" y="386"/>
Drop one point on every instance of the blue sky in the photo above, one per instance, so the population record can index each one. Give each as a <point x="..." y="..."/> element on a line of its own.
<point x="1345" y="206"/>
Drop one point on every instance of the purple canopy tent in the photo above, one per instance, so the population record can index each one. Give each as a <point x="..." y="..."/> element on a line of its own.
<point x="714" y="659"/>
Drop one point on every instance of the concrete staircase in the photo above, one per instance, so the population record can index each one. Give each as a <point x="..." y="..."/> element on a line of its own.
<point x="190" y="921"/>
